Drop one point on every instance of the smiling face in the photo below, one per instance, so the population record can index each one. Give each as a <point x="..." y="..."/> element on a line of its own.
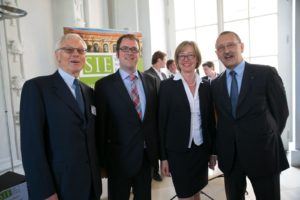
<point x="128" y="54"/>
<point x="187" y="60"/>
<point x="229" y="50"/>
<point x="70" y="61"/>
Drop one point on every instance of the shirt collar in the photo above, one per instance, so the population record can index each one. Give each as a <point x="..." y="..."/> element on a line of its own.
<point x="69" y="79"/>
<point x="239" y="69"/>
<point x="124" y="74"/>
<point x="178" y="76"/>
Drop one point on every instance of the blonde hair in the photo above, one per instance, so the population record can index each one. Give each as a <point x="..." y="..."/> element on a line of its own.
<point x="180" y="48"/>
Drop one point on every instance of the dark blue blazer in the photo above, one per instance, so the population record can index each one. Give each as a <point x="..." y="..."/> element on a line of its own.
<point x="175" y="117"/>
<point x="254" y="136"/>
<point x="122" y="134"/>
<point x="57" y="141"/>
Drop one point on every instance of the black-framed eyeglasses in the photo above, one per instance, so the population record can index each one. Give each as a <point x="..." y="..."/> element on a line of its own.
<point x="127" y="49"/>
<point x="70" y="50"/>
<point x="186" y="56"/>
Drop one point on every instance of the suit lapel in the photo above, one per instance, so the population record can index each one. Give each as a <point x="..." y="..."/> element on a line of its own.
<point x="87" y="99"/>
<point x="246" y="86"/>
<point x="153" y="72"/>
<point x="180" y="88"/>
<point x="224" y="93"/>
<point x="63" y="92"/>
<point x="119" y="86"/>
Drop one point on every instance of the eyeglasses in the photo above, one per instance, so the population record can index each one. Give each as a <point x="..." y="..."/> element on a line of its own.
<point x="126" y="49"/>
<point x="182" y="57"/>
<point x="230" y="46"/>
<point x="70" y="50"/>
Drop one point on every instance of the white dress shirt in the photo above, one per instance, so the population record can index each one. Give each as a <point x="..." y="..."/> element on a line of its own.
<point x="194" y="101"/>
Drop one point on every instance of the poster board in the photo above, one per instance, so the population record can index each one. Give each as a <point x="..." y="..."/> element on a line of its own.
<point x="101" y="58"/>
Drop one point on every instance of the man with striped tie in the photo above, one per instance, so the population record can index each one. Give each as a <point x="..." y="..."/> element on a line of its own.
<point x="126" y="103"/>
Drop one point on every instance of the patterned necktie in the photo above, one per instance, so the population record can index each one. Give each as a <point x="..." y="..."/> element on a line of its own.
<point x="135" y="95"/>
<point x="78" y="95"/>
<point x="234" y="93"/>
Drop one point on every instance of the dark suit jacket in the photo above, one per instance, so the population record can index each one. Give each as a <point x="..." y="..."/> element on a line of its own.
<point x="120" y="129"/>
<point x="175" y="117"/>
<point x="254" y="136"/>
<point x="58" y="146"/>
<point x="153" y="73"/>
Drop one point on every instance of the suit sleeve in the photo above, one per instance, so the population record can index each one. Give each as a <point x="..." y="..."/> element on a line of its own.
<point x="101" y="124"/>
<point x="162" y="118"/>
<point x="211" y="122"/>
<point x="33" y="145"/>
<point x="277" y="99"/>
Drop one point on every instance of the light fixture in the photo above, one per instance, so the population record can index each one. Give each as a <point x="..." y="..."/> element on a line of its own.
<point x="8" y="12"/>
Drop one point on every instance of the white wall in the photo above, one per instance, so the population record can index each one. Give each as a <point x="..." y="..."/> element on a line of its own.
<point x="158" y="26"/>
<point x="295" y="155"/>
<point x="37" y="37"/>
<point x="285" y="61"/>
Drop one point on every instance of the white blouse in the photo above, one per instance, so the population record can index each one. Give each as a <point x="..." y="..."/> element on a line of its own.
<point x="194" y="101"/>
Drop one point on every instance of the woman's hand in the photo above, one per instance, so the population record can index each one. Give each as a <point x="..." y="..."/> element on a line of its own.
<point x="164" y="168"/>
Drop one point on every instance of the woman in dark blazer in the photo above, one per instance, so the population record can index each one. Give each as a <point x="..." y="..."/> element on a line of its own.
<point x="186" y="125"/>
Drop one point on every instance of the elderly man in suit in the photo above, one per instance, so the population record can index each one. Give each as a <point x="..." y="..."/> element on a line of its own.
<point x="57" y="117"/>
<point x="251" y="109"/>
<point x="126" y="104"/>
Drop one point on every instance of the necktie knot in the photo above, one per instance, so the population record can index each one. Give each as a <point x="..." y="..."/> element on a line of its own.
<point x="76" y="83"/>
<point x="132" y="77"/>
<point x="232" y="73"/>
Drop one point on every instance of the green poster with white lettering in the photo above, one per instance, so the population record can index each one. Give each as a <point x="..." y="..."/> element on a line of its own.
<point x="101" y="59"/>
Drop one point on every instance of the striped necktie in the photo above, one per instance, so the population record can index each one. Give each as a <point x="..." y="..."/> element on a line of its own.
<point x="135" y="95"/>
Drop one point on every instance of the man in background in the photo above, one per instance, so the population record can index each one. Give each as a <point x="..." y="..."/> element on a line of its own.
<point x="209" y="70"/>
<point x="159" y="60"/>
<point x="57" y="118"/>
<point x="171" y="66"/>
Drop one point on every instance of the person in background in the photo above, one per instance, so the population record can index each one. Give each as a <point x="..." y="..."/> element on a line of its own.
<point x="186" y="125"/>
<point x="126" y="125"/>
<point x="251" y="109"/>
<point x="57" y="119"/>
<point x="209" y="70"/>
<point x="158" y="61"/>
<point x="171" y="66"/>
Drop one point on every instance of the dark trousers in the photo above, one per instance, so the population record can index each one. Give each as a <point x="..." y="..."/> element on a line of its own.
<point x="265" y="188"/>
<point x="156" y="168"/>
<point x="119" y="187"/>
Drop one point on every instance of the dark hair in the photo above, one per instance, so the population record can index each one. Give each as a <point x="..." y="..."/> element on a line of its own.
<point x="169" y="63"/>
<point x="158" y="55"/>
<point x="209" y="64"/>
<point x="126" y="36"/>
<point x="231" y="32"/>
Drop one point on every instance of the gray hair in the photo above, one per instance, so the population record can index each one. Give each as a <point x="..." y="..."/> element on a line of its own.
<point x="69" y="36"/>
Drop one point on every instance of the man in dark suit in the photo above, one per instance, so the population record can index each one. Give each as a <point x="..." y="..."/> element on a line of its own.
<point x="158" y="61"/>
<point x="126" y="125"/>
<point x="57" y="130"/>
<point x="171" y="66"/>
<point x="251" y="110"/>
<point x="209" y="70"/>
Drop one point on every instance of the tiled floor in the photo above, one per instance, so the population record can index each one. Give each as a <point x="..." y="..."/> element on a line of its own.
<point x="290" y="187"/>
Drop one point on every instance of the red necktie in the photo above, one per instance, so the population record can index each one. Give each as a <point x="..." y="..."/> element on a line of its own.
<point x="135" y="95"/>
